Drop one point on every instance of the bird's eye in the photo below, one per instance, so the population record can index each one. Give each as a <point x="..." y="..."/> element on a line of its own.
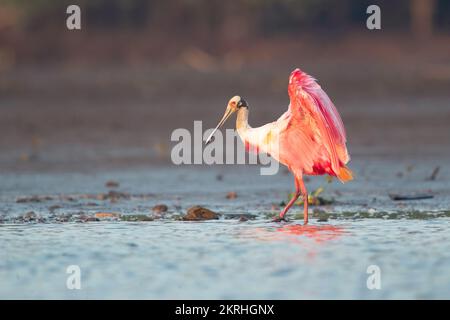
<point x="233" y="103"/>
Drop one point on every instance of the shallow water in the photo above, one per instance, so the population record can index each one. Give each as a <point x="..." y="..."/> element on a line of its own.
<point x="225" y="258"/>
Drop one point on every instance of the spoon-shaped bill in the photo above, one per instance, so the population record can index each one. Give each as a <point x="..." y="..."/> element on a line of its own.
<point x="228" y="112"/>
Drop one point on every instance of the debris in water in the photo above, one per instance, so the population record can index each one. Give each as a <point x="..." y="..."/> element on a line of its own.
<point x="53" y="208"/>
<point x="399" y="197"/>
<point x="112" y="184"/>
<point x="92" y="204"/>
<point x="247" y="216"/>
<point x="136" y="217"/>
<point x="434" y="174"/>
<point x="85" y="218"/>
<point x="231" y="195"/>
<point x="63" y="218"/>
<point x="197" y="213"/>
<point x="243" y="219"/>
<point x="29" y="216"/>
<point x="103" y="215"/>
<point x="160" y="208"/>
<point x="34" y="199"/>
<point x="67" y="198"/>
<point x="314" y="198"/>
<point x="113" y="196"/>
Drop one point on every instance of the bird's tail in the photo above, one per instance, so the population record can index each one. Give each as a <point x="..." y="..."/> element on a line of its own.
<point x="345" y="174"/>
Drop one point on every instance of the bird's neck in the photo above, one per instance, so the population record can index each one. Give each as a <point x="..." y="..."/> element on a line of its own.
<point x="242" y="120"/>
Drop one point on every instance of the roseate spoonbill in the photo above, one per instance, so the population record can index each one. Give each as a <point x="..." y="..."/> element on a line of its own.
<point x="309" y="138"/>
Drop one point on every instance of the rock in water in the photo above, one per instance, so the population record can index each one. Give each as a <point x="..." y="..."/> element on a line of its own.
<point x="135" y="217"/>
<point x="111" y="184"/>
<point x="231" y="195"/>
<point x="106" y="215"/>
<point x="400" y="197"/>
<point x="160" y="208"/>
<point x="197" y="213"/>
<point x="243" y="219"/>
<point x="29" y="216"/>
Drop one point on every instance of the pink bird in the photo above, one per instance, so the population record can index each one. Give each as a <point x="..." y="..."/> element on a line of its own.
<point x="309" y="138"/>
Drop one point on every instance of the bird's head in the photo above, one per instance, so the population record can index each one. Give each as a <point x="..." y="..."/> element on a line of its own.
<point x="234" y="105"/>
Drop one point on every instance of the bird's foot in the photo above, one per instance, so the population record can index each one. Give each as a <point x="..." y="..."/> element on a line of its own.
<point x="280" y="219"/>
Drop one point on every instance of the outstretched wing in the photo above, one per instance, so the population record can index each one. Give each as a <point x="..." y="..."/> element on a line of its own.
<point x="312" y="108"/>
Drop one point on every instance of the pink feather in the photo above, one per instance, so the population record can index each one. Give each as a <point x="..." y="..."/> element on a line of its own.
<point x="313" y="141"/>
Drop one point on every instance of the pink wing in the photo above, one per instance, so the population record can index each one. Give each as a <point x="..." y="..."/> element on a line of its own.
<point x="316" y="125"/>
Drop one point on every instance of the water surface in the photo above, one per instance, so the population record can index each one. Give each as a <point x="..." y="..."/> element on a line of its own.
<point x="224" y="259"/>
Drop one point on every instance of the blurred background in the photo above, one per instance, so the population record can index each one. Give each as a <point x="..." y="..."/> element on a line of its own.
<point x="111" y="93"/>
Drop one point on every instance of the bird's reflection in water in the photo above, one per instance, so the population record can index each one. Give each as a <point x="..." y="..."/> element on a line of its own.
<point x="301" y="234"/>
<point x="319" y="234"/>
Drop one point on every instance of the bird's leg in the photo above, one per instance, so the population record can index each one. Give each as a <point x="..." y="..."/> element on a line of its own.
<point x="305" y="200"/>
<point x="289" y="205"/>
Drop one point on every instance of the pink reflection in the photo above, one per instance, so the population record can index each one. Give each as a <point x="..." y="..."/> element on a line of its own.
<point x="309" y="237"/>
<point x="297" y="233"/>
<point x="319" y="234"/>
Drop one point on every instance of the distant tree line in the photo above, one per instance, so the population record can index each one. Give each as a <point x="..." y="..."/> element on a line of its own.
<point x="255" y="17"/>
